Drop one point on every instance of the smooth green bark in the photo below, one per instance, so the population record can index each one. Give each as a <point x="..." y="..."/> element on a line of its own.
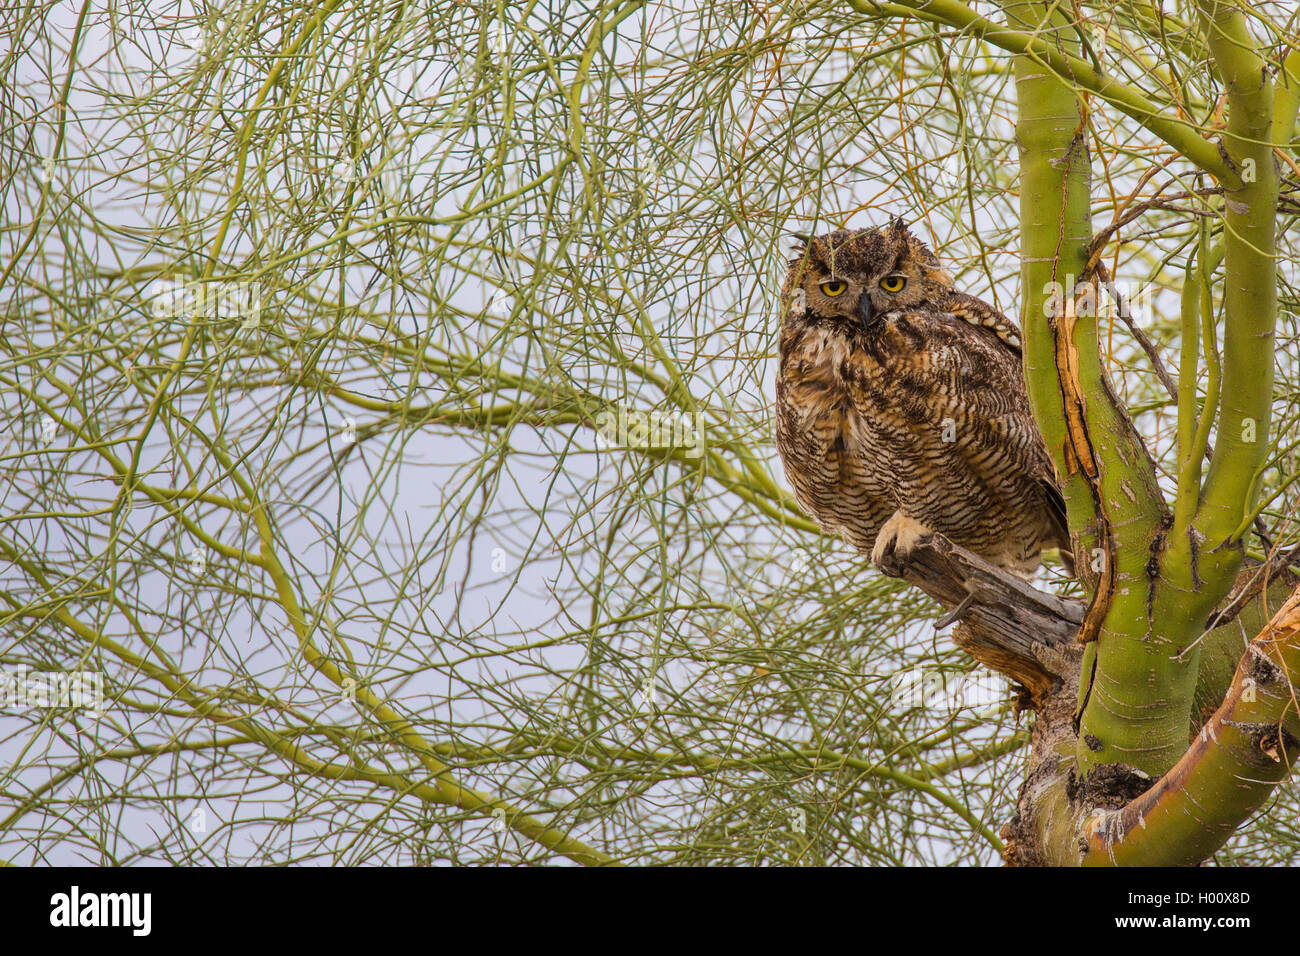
<point x="1107" y="476"/>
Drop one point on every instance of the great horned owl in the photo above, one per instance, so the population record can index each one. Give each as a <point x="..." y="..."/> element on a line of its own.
<point x="901" y="406"/>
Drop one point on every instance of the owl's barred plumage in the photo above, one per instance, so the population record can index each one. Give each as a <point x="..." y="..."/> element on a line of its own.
<point x="901" y="406"/>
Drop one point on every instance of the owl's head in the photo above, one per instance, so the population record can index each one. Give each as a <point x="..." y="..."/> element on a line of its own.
<point x="857" y="276"/>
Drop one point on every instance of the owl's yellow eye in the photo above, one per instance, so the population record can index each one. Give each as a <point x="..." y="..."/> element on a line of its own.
<point x="834" y="288"/>
<point x="893" y="283"/>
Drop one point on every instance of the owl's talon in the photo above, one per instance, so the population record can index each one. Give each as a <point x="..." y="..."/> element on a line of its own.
<point x="896" y="540"/>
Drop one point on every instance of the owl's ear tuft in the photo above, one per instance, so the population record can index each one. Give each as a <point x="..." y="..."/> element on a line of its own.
<point x="898" y="226"/>
<point x="800" y="246"/>
<point x="937" y="274"/>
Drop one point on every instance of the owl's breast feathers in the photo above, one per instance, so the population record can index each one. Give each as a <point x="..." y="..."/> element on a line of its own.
<point x="925" y="414"/>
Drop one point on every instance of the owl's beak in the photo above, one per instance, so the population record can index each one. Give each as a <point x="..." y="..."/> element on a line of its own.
<point x="865" y="312"/>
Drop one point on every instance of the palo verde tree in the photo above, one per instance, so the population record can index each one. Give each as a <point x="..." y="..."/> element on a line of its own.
<point x="387" y="472"/>
<point x="1122" y="784"/>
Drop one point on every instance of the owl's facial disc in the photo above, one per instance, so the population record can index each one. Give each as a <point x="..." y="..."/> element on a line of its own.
<point x="857" y="278"/>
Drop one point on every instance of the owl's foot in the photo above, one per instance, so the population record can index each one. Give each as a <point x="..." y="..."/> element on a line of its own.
<point x="896" y="540"/>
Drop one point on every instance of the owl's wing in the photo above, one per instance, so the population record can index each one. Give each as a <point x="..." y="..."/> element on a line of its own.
<point x="1057" y="516"/>
<point x="985" y="392"/>
<point x="979" y="313"/>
